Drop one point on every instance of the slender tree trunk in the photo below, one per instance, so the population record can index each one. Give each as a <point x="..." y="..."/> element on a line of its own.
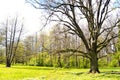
<point x="119" y="62"/>
<point x="83" y="61"/>
<point x="51" y="62"/>
<point x="76" y="57"/>
<point x="59" y="60"/>
<point x="42" y="62"/>
<point x="67" y="62"/>
<point x="94" y="65"/>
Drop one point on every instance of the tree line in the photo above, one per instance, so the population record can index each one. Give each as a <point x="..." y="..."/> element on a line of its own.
<point x="55" y="50"/>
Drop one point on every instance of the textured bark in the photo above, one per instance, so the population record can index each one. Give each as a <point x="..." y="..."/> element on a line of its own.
<point x="8" y="63"/>
<point x="94" y="65"/>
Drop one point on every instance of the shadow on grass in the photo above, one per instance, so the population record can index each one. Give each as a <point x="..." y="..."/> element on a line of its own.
<point x="74" y="73"/>
<point x="108" y="72"/>
<point x="111" y="72"/>
<point x="34" y="68"/>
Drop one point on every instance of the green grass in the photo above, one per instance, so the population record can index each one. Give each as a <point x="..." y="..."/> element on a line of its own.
<point x="50" y="73"/>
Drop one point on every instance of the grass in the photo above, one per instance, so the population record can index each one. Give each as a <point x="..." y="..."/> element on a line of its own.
<point x="50" y="73"/>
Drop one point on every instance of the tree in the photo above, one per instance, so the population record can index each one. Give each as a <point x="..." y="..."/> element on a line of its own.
<point x="95" y="14"/>
<point x="2" y="51"/>
<point x="13" y="30"/>
<point x="20" y="54"/>
<point x="29" y="48"/>
<point x="117" y="56"/>
<point x="2" y="56"/>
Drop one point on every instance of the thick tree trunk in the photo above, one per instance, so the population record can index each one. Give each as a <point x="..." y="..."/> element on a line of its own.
<point x="94" y="65"/>
<point x="8" y="63"/>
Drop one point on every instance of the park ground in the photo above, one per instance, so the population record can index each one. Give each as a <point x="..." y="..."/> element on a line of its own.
<point x="18" y="72"/>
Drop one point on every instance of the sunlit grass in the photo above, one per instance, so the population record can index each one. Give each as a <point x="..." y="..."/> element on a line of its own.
<point x="49" y="73"/>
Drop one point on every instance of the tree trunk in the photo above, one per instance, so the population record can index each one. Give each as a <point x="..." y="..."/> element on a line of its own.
<point x="8" y="63"/>
<point x="76" y="57"/>
<point x="59" y="60"/>
<point x="119" y="62"/>
<point x="51" y="62"/>
<point x="94" y="65"/>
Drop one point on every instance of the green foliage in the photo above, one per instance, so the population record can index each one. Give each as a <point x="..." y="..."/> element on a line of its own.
<point x="32" y="61"/>
<point x="2" y="56"/>
<point x="51" y="60"/>
<point x="115" y="59"/>
<point x="113" y="63"/>
<point x="103" y="62"/>
<point x="20" y="56"/>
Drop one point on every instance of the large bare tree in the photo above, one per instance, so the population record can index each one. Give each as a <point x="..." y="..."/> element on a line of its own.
<point x="99" y="17"/>
<point x="13" y="30"/>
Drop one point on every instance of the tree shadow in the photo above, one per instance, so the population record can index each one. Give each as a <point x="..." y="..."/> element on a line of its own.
<point x="111" y="72"/>
<point x="34" y="68"/>
<point x="75" y="73"/>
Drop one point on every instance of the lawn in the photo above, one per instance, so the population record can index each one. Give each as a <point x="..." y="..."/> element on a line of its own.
<point x="50" y="73"/>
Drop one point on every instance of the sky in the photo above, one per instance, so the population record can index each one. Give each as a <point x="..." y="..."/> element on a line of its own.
<point x="32" y="16"/>
<point x="19" y="7"/>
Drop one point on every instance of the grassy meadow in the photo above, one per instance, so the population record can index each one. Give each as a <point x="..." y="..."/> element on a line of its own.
<point x="50" y="73"/>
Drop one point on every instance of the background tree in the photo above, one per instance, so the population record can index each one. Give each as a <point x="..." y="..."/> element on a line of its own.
<point x="2" y="51"/>
<point x="2" y="56"/>
<point x="29" y="48"/>
<point x="117" y="56"/>
<point x="94" y="13"/>
<point x="20" y="54"/>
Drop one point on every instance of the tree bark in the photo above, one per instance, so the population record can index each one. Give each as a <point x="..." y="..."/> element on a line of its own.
<point x="8" y="63"/>
<point x="94" y="65"/>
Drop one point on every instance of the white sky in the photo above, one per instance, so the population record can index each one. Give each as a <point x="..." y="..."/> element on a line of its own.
<point x="30" y="14"/>
<point x="22" y="9"/>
